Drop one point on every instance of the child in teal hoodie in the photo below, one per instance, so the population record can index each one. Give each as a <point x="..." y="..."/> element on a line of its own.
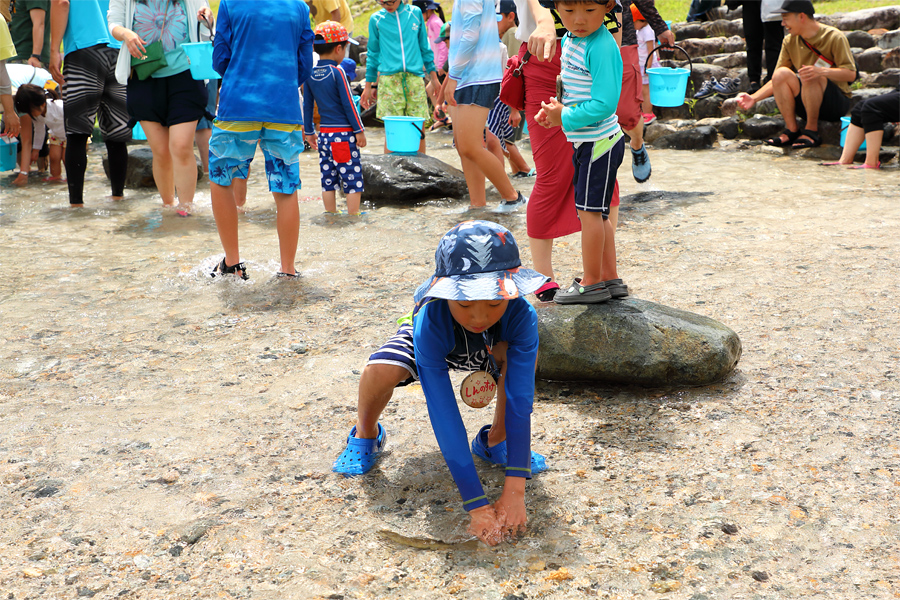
<point x="399" y="56"/>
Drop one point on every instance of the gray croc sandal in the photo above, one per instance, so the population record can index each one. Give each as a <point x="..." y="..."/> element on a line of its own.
<point x="583" y="294"/>
<point x="617" y="288"/>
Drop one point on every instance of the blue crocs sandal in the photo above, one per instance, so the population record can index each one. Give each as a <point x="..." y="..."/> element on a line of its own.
<point x="360" y="455"/>
<point x="497" y="454"/>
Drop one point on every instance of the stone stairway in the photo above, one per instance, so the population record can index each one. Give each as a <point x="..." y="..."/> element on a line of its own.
<point x="717" y="49"/>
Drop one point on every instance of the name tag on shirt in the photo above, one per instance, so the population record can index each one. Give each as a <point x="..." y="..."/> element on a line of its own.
<point x="823" y="63"/>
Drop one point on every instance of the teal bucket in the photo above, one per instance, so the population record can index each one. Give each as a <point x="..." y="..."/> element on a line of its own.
<point x="668" y="84"/>
<point x="845" y="124"/>
<point x="8" y="147"/>
<point x="199" y="56"/>
<point x="403" y="134"/>
<point x="137" y="133"/>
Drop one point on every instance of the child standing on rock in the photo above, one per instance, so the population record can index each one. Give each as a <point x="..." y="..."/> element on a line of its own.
<point x="340" y="127"/>
<point x="471" y="315"/>
<point x="591" y="83"/>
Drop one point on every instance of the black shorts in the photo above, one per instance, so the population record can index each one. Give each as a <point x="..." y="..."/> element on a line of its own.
<point x="167" y="100"/>
<point x="834" y="103"/>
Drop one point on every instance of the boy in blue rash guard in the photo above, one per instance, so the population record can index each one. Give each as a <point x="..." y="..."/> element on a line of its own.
<point x="592" y="81"/>
<point x="470" y="315"/>
<point x="259" y="104"/>
<point x="340" y="127"/>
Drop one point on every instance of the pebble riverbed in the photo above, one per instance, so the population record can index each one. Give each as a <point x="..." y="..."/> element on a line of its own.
<point x="166" y="435"/>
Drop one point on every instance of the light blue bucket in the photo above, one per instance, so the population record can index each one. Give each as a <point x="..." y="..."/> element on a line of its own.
<point x="667" y="84"/>
<point x="845" y="124"/>
<point x="199" y="56"/>
<point x="8" y="147"/>
<point x="403" y="134"/>
<point x="137" y="133"/>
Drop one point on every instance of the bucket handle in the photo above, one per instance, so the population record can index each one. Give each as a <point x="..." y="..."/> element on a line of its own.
<point x="674" y="46"/>
<point x="212" y="36"/>
<point x="421" y="130"/>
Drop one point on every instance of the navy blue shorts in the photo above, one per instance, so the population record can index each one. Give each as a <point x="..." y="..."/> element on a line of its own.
<point x="169" y="100"/>
<point x="596" y="165"/>
<point x="481" y="95"/>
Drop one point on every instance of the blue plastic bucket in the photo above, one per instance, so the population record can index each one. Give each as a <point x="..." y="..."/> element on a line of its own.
<point x="668" y="84"/>
<point x="8" y="148"/>
<point x="138" y="132"/>
<point x="845" y="124"/>
<point x="199" y="56"/>
<point x="403" y="134"/>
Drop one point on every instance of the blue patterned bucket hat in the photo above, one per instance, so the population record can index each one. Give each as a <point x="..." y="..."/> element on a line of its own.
<point x="479" y="260"/>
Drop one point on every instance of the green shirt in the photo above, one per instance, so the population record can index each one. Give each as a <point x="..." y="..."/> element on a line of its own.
<point x="21" y="30"/>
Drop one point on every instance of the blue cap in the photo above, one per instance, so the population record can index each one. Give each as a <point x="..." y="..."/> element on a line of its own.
<point x="479" y="260"/>
<point x="349" y="67"/>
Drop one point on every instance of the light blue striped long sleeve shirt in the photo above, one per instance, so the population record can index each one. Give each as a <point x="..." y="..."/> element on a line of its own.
<point x="592" y="82"/>
<point x="474" y="44"/>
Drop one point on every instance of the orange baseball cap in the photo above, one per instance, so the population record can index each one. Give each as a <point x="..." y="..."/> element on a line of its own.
<point x="636" y="14"/>
<point x="332" y="32"/>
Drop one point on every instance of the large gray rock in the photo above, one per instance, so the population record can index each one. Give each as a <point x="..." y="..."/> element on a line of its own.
<point x="860" y="39"/>
<point x="884" y="17"/>
<point x="716" y="45"/>
<point x="140" y="168"/>
<point x="728" y="127"/>
<point x="724" y="27"/>
<point x="688" y="31"/>
<point x="889" y="40"/>
<point x="634" y="342"/>
<point x="760" y="128"/>
<point x="870" y="60"/>
<point x="407" y="179"/>
<point x="696" y="138"/>
<point x="887" y="78"/>
<point x="891" y="60"/>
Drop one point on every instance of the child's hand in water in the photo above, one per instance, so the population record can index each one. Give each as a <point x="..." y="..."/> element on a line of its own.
<point x="510" y="507"/>
<point x="484" y="525"/>
<point x="550" y="114"/>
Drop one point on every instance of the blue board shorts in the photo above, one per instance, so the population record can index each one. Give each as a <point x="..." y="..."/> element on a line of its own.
<point x="596" y="165"/>
<point x="339" y="160"/>
<point x="233" y="145"/>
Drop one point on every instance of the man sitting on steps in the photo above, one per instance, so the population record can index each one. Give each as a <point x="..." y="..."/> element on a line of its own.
<point x="812" y="78"/>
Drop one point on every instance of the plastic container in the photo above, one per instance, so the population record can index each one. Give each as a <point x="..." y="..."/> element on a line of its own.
<point x="138" y="132"/>
<point x="667" y="84"/>
<point x="199" y="55"/>
<point x="403" y="134"/>
<point x="845" y="124"/>
<point x="8" y="147"/>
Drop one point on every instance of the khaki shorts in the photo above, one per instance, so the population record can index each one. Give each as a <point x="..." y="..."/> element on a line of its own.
<point x="402" y="95"/>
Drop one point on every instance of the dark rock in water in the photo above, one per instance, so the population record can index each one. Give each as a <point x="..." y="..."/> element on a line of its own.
<point x="760" y="128"/>
<point x="860" y="39"/>
<point x="410" y="178"/>
<point x="708" y="107"/>
<point x="634" y="342"/>
<point x="140" y="168"/>
<point x="46" y="488"/>
<point x="727" y="126"/>
<point x="697" y="138"/>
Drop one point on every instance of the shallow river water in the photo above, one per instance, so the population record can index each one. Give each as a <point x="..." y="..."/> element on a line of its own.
<point x="168" y="435"/>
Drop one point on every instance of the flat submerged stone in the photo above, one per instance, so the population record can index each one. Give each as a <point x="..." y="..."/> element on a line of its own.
<point x="633" y="342"/>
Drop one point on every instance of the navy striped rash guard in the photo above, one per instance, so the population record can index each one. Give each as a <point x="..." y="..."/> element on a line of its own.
<point x="433" y="340"/>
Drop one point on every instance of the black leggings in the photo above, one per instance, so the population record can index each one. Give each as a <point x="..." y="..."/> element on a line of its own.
<point x="76" y="165"/>
<point x="871" y="114"/>
<point x="761" y="34"/>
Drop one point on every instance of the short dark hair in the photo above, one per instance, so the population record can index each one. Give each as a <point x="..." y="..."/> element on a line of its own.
<point x="326" y="48"/>
<point x="29" y="97"/>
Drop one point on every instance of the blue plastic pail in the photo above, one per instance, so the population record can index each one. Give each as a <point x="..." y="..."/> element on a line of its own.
<point x="8" y="148"/>
<point x="199" y="56"/>
<point x="668" y="84"/>
<point x="137" y="133"/>
<point x="845" y="124"/>
<point x="403" y="134"/>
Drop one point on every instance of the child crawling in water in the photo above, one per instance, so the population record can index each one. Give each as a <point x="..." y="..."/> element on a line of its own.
<point x="471" y="315"/>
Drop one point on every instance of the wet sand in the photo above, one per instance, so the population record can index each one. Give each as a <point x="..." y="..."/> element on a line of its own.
<point x="165" y="435"/>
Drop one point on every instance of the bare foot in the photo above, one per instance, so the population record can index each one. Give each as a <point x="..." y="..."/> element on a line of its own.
<point x="21" y="179"/>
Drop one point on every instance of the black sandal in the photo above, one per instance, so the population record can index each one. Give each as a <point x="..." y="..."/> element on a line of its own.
<point x="780" y="143"/>
<point x="223" y="269"/>
<point x="813" y="141"/>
